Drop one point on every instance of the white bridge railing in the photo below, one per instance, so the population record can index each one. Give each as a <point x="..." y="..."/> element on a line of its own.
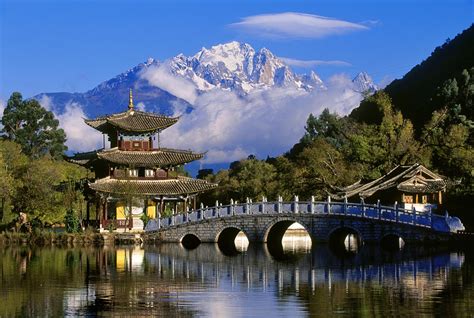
<point x="362" y="210"/>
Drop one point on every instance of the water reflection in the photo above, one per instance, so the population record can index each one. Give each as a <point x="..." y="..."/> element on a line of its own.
<point x="171" y="280"/>
<point x="241" y="242"/>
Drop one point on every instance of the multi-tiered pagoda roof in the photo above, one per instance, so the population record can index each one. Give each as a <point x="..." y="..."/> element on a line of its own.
<point x="134" y="160"/>
<point x="161" y="157"/>
<point x="132" y="121"/>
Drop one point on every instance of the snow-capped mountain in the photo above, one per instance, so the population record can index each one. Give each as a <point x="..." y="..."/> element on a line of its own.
<point x="232" y="66"/>
<point x="238" y="67"/>
<point x="364" y="83"/>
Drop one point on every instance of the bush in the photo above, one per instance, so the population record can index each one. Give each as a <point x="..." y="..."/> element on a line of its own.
<point x="72" y="222"/>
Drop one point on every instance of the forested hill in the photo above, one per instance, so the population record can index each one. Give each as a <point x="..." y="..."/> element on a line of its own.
<point x="415" y="93"/>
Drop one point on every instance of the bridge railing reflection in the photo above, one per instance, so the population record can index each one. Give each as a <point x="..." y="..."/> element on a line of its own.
<point x="256" y="270"/>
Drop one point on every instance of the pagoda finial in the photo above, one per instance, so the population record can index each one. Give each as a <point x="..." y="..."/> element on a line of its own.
<point x="130" y="100"/>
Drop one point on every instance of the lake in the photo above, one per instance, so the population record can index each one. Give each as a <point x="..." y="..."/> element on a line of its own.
<point x="169" y="280"/>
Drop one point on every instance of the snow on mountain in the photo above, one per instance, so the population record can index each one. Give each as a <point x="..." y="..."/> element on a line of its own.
<point x="364" y="83"/>
<point x="232" y="66"/>
<point x="238" y="67"/>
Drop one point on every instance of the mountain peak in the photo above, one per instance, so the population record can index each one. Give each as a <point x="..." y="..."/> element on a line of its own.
<point x="364" y="83"/>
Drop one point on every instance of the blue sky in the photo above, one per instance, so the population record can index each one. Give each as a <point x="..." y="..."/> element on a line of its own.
<point x="50" y="46"/>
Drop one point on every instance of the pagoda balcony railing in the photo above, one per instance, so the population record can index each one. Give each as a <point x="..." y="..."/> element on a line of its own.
<point x="117" y="224"/>
<point x="393" y="214"/>
<point x="142" y="178"/>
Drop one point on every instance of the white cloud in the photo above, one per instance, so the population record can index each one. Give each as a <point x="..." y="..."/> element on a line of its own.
<point x="46" y="102"/>
<point x="313" y="63"/>
<point x="160" y="76"/>
<point x="140" y="106"/>
<point x="80" y="137"/>
<point x="265" y="122"/>
<point x="293" y="24"/>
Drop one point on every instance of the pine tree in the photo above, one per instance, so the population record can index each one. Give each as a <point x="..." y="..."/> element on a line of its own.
<point x="27" y="123"/>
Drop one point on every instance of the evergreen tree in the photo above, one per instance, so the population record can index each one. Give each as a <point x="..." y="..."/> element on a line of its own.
<point x="27" y="123"/>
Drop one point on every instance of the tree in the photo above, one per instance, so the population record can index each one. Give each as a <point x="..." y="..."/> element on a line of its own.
<point x="13" y="164"/>
<point x="6" y="186"/>
<point x="322" y="168"/>
<point x="27" y="123"/>
<point x="326" y="125"/>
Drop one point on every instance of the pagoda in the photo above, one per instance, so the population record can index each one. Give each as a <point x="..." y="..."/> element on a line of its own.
<point x="136" y="179"/>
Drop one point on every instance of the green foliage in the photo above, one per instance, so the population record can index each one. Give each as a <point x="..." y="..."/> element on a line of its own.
<point x="34" y="128"/>
<point x="42" y="188"/>
<point x="71" y="221"/>
<point x="415" y="93"/>
<point x="145" y="218"/>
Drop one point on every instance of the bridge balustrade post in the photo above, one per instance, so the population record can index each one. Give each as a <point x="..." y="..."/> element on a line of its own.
<point x="312" y="204"/>
<point x="159" y="222"/>
<point x="262" y="206"/>
<point x="280" y="199"/>
<point x="397" y="216"/>
<point x="232" y="207"/>
<point x="329" y="204"/>
<point x="296" y="204"/>
<point x="363" y="207"/>
<point x="345" y="205"/>
<point x="218" y="214"/>
<point x="430" y="215"/>
<point x="413" y="221"/>
<point x="379" y="209"/>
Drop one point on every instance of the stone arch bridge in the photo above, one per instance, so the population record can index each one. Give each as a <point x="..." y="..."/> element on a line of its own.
<point x="324" y="221"/>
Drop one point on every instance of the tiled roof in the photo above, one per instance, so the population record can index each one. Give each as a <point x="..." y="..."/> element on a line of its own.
<point x="133" y="121"/>
<point x="411" y="178"/>
<point x="179" y="186"/>
<point x="156" y="158"/>
<point x="83" y="158"/>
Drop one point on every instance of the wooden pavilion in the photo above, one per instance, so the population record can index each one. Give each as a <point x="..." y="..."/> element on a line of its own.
<point x="136" y="177"/>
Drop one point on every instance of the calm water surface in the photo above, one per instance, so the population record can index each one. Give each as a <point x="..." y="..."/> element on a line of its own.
<point x="171" y="281"/>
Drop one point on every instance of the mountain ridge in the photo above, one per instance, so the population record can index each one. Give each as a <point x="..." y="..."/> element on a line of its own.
<point x="232" y="66"/>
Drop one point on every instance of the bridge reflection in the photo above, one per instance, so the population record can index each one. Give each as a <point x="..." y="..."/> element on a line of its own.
<point x="256" y="269"/>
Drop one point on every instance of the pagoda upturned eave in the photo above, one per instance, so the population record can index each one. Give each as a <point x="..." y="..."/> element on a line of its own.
<point x="132" y="121"/>
<point x="161" y="157"/>
<point x="140" y="187"/>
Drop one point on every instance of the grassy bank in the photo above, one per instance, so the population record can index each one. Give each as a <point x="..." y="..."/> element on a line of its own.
<point x="45" y="238"/>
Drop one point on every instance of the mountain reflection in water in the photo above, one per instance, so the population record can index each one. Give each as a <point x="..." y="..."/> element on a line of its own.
<point x="170" y="280"/>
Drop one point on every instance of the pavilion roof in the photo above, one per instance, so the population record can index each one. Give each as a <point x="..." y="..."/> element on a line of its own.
<point x="83" y="158"/>
<point x="131" y="121"/>
<point x="407" y="178"/>
<point x="178" y="186"/>
<point x="155" y="158"/>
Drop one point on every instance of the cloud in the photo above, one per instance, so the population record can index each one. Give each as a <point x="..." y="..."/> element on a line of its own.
<point x="313" y="63"/>
<point x="46" y="102"/>
<point x="160" y="76"/>
<point x="295" y="25"/>
<point x="80" y="137"/>
<point x="264" y="122"/>
<point x="140" y="106"/>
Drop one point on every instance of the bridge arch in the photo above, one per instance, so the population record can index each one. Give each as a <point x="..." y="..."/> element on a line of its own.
<point x="392" y="241"/>
<point x="226" y="237"/>
<point x="345" y="238"/>
<point x="274" y="232"/>
<point x="190" y="241"/>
